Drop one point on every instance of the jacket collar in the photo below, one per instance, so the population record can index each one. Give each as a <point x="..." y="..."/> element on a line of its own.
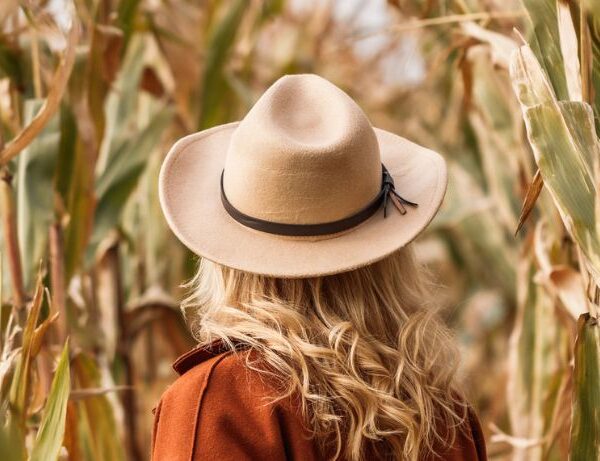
<point x="198" y="355"/>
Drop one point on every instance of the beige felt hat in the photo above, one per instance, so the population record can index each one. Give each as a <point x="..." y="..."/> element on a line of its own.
<point x="302" y="186"/>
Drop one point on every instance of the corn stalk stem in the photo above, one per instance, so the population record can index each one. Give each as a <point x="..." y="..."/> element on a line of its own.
<point x="57" y="280"/>
<point x="35" y="63"/>
<point x="11" y="240"/>
<point x="111" y="263"/>
<point x="149" y="343"/>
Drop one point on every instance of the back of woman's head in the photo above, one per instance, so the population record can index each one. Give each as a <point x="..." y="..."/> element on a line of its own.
<point x="363" y="350"/>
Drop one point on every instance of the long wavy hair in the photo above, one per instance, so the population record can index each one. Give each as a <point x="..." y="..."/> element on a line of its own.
<point x="364" y="350"/>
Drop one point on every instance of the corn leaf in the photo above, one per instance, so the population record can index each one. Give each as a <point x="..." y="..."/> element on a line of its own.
<point x="126" y="17"/>
<point x="593" y="23"/>
<point x="97" y="421"/>
<point x="468" y="209"/>
<point x="75" y="170"/>
<point x="501" y="46"/>
<point x="569" y="286"/>
<point x="563" y="138"/>
<point x="213" y="83"/>
<point x="121" y="175"/>
<point x="122" y="102"/>
<point x="585" y="427"/>
<point x="82" y="129"/>
<point x="545" y="42"/>
<point x="533" y="192"/>
<point x="12" y="440"/>
<point x="102" y="65"/>
<point x="129" y="142"/>
<point x="34" y="204"/>
<point x="19" y="390"/>
<point x="49" y="438"/>
<point x="593" y="6"/>
<point x="534" y="359"/>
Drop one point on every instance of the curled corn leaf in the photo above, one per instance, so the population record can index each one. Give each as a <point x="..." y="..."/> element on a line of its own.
<point x="565" y="146"/>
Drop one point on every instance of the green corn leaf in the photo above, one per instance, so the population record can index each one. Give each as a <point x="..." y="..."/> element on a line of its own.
<point x="34" y="204"/>
<point x="129" y="152"/>
<point x="565" y="146"/>
<point x="80" y="206"/>
<point x="66" y="151"/>
<point x="213" y="83"/>
<point x="74" y="173"/>
<point x="121" y="175"/>
<point x="49" y="438"/>
<point x="126" y="148"/>
<point x="585" y="424"/>
<point x="126" y="18"/>
<point x="122" y="103"/>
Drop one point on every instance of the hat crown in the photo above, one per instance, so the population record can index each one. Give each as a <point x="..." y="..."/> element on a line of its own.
<point x="304" y="154"/>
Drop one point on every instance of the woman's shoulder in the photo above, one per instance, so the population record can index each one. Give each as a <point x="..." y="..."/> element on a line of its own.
<point x="220" y="407"/>
<point x="210" y="369"/>
<point x="176" y="414"/>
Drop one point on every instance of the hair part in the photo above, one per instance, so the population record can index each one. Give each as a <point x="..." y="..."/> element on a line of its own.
<point x="372" y="365"/>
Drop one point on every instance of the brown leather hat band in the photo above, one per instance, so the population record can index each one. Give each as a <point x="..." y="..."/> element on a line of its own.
<point x="386" y="193"/>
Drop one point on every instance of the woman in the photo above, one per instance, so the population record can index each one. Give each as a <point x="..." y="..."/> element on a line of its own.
<point x="317" y="336"/>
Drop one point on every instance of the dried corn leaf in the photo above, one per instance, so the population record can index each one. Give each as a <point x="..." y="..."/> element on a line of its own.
<point x="501" y="45"/>
<point x="533" y="192"/>
<point x="98" y="415"/>
<point x="569" y="48"/>
<point x="570" y="289"/>
<point x="536" y="367"/>
<point x="19" y="391"/>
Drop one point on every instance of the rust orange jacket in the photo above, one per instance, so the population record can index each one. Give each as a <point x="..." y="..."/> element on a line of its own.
<point x="216" y="410"/>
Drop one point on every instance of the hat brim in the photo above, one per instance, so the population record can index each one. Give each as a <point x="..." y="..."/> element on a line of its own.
<point x="189" y="190"/>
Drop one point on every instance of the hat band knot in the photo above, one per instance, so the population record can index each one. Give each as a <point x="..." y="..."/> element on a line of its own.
<point x="386" y="194"/>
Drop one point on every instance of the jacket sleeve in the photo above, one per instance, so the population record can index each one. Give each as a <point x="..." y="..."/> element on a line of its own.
<point x="220" y="410"/>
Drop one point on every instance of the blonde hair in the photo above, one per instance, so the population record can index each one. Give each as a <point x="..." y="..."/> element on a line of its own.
<point x="373" y="366"/>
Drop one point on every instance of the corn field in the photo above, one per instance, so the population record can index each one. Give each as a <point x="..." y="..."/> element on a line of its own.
<point x="94" y="92"/>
